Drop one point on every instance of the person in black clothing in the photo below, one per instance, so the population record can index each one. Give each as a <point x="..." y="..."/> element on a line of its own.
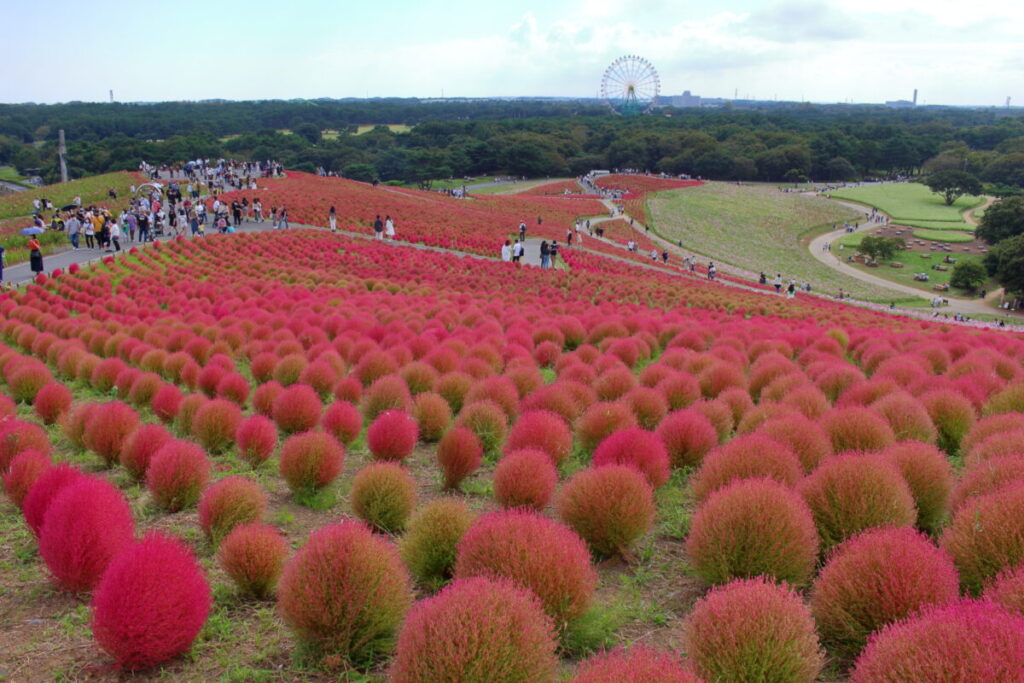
<point x="554" y="252"/>
<point x="545" y="255"/>
<point x="378" y="228"/>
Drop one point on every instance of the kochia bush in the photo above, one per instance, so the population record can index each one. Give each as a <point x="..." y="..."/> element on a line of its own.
<point x="42" y="492"/>
<point x="383" y="495"/>
<point x="458" y="453"/>
<point x="51" y="401"/>
<point x="343" y="421"/>
<point x="534" y="552"/>
<point x="25" y="468"/>
<point x="930" y="477"/>
<point x="231" y="501"/>
<point x="17" y="436"/>
<point x="987" y="476"/>
<point x="753" y="527"/>
<point x="525" y="478"/>
<point x="310" y="461"/>
<point x="253" y="555"/>
<point x="610" y="507"/>
<point x="875" y="578"/>
<point x="600" y="420"/>
<point x="637" y="448"/>
<point x="392" y="436"/>
<point x="433" y="415"/>
<point x="638" y="664"/>
<point x="746" y="457"/>
<point x="256" y="438"/>
<point x="857" y="429"/>
<point x="964" y="641"/>
<point x="215" y="424"/>
<point x="297" y="409"/>
<point x="432" y="534"/>
<point x="345" y="592"/>
<point x="177" y="474"/>
<point x="803" y="436"/>
<point x="688" y="435"/>
<point x="141" y="445"/>
<point x="477" y="630"/>
<point x="85" y="526"/>
<point x="953" y="416"/>
<point x="151" y="603"/>
<point x="542" y="430"/>
<point x="986" y="536"/>
<point x="753" y="630"/>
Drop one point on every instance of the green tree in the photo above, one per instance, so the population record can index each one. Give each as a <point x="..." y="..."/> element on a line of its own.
<point x="309" y="131"/>
<point x="1002" y="220"/>
<point x="953" y="184"/>
<point x="879" y="248"/>
<point x="840" y="168"/>
<point x="1005" y="262"/>
<point x="362" y="172"/>
<point x="968" y="275"/>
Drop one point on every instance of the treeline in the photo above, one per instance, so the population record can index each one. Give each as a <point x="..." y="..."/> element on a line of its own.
<point x="524" y="137"/>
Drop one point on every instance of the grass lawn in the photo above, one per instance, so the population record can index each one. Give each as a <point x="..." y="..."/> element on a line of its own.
<point x="512" y="188"/>
<point x="922" y="262"/>
<point x="394" y="127"/>
<point x="943" y="236"/>
<point x="909" y="202"/>
<point x="757" y="228"/>
<point x="940" y="225"/>
<point x="10" y="175"/>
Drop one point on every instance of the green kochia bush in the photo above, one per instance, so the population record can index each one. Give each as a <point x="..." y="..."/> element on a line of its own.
<point x="429" y="544"/>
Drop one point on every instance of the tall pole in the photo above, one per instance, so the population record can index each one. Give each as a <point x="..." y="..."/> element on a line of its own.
<point x="62" y="153"/>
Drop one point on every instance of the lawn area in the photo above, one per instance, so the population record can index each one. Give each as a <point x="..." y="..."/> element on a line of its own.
<point x="393" y="127"/>
<point x="757" y="228"/>
<point x="10" y="175"/>
<point x="512" y="188"/>
<point x="911" y="204"/>
<point x="921" y="262"/>
<point x="943" y="235"/>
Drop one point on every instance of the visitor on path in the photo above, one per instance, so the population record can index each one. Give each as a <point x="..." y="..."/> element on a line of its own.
<point x="115" y="235"/>
<point x="522" y="230"/>
<point x="332" y="219"/>
<point x="712" y="271"/>
<point x="664" y="256"/>
<point x="90" y="231"/>
<point x="778" y="283"/>
<point x="257" y="209"/>
<point x="1" y="264"/>
<point x="506" y="251"/>
<point x="389" y="228"/>
<point x="545" y="255"/>
<point x="73" y="227"/>
<point x="791" y="290"/>
<point x="378" y="228"/>
<point x="273" y="217"/>
<point x="283" y="216"/>
<point x="553" y="249"/>
<point x="568" y="238"/>
<point x="35" y="255"/>
<point x="517" y="252"/>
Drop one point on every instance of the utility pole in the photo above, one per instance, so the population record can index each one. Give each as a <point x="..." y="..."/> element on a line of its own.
<point x="62" y="153"/>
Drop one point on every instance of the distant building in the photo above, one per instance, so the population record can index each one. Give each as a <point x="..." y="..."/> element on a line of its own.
<point x="686" y="100"/>
<point x="903" y="104"/>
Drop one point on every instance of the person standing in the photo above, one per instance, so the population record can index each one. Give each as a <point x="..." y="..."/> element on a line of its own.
<point x="332" y="219"/>
<point x="522" y="230"/>
<point x="35" y="255"/>
<point x="553" y="251"/>
<point x="284" y="218"/>
<point x="777" y="283"/>
<point x="389" y="228"/>
<point x="73" y="226"/>
<point x="90" y="230"/>
<point x="517" y="252"/>
<point x="506" y="251"/>
<point x="143" y="228"/>
<point x="115" y="234"/>
<point x="257" y="209"/>
<point x="545" y="255"/>
<point x="378" y="228"/>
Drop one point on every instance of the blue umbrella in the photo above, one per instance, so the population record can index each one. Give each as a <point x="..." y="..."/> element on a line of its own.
<point x="33" y="230"/>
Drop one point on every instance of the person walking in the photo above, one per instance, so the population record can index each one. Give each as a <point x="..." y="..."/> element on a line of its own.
<point x="778" y="283"/>
<point x="378" y="228"/>
<point x="389" y="228"/>
<point x="73" y="226"/>
<point x="545" y="255"/>
<point x="257" y="209"/>
<point x="553" y="250"/>
<point x="506" y="251"/>
<point x="90" y="231"/>
<point x="517" y="252"/>
<point x="283" y="217"/>
<point x="332" y="219"/>
<point x="522" y="230"/>
<point x="35" y="255"/>
<point x="115" y="235"/>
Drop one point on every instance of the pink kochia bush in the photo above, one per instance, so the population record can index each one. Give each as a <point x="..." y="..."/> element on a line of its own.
<point x="745" y="457"/>
<point x="525" y="478"/>
<point x="459" y="454"/>
<point x="26" y="467"/>
<point x="310" y="461"/>
<point x="42" y="492"/>
<point x="638" y="664"/>
<point x="141" y="445"/>
<point x="253" y="555"/>
<point x="688" y="435"/>
<point x="108" y="426"/>
<point x="297" y="409"/>
<point x="986" y="536"/>
<point x="535" y="553"/>
<point x="1008" y="589"/>
<point x="52" y="401"/>
<point x="392" y="436"/>
<point x="637" y="448"/>
<point x="753" y="527"/>
<point x="477" y="630"/>
<point x="857" y="428"/>
<point x="964" y="641"/>
<point x="544" y="430"/>
<point x="177" y="475"/>
<point x="151" y="603"/>
<point x="610" y="507"/>
<point x="343" y="421"/>
<point x="17" y="436"/>
<point x="601" y="420"/>
<point x="930" y="477"/>
<point x="345" y="592"/>
<point x="215" y="423"/>
<point x="85" y="526"/>
<point x="256" y="438"/>
<point x="852" y="492"/>
<point x="231" y="501"/>
<point x="875" y="578"/>
<point x="753" y="630"/>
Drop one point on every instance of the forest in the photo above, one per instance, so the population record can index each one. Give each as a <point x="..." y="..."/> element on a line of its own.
<point x="535" y="138"/>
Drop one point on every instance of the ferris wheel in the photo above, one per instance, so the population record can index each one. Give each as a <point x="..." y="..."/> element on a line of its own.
<point x="630" y="85"/>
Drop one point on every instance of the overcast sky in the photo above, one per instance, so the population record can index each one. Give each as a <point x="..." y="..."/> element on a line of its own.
<point x="954" y="52"/>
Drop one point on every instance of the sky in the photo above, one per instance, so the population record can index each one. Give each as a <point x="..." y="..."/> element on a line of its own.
<point x="953" y="52"/>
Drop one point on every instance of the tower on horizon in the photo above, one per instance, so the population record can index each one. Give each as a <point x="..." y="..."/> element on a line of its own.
<point x="915" y="97"/>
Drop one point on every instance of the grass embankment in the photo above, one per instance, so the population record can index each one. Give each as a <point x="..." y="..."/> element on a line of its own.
<point x="758" y="228"/>
<point x="915" y="206"/>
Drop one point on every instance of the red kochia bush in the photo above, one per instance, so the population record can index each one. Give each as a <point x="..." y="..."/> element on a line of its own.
<point x="342" y="421"/>
<point x="875" y="578"/>
<point x="930" y="477"/>
<point x="26" y="467"/>
<point x="256" y="437"/>
<point x="648" y="406"/>
<point x="753" y="630"/>
<point x="638" y="664"/>
<point x="228" y="503"/>
<point x="177" y="474"/>
<point x="85" y="526"/>
<point x="987" y="476"/>
<point x="803" y="436"/>
<point x="253" y="555"/>
<point x="637" y="448"/>
<point x="753" y="527"/>
<point x="907" y="417"/>
<point x="166" y="402"/>
<point x="600" y="420"/>
<point x="264" y="396"/>
<point x="297" y="409"/>
<point x="215" y="424"/>
<point x="745" y="457"/>
<point x="108" y="428"/>
<point x="542" y="430"/>
<point x="151" y="603"/>
<point x="383" y="495"/>
<point x="42" y="492"/>
<point x="986" y="536"/>
<point x="392" y="436"/>
<point x="387" y="393"/>
<point x="345" y="592"/>
<point x="140" y="446"/>
<point x="525" y="478"/>
<point x="857" y="429"/>
<point x="458" y="453"/>
<point x="965" y="641"/>
<point x="234" y="387"/>
<point x="610" y="507"/>
<point x="477" y="629"/>
<point x="852" y="492"/>
<point x="1007" y="589"/>
<point x="310" y="461"/>
<point x="17" y="436"/>
<point x="688" y="435"/>
<point x="535" y="553"/>
<point x="52" y="401"/>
